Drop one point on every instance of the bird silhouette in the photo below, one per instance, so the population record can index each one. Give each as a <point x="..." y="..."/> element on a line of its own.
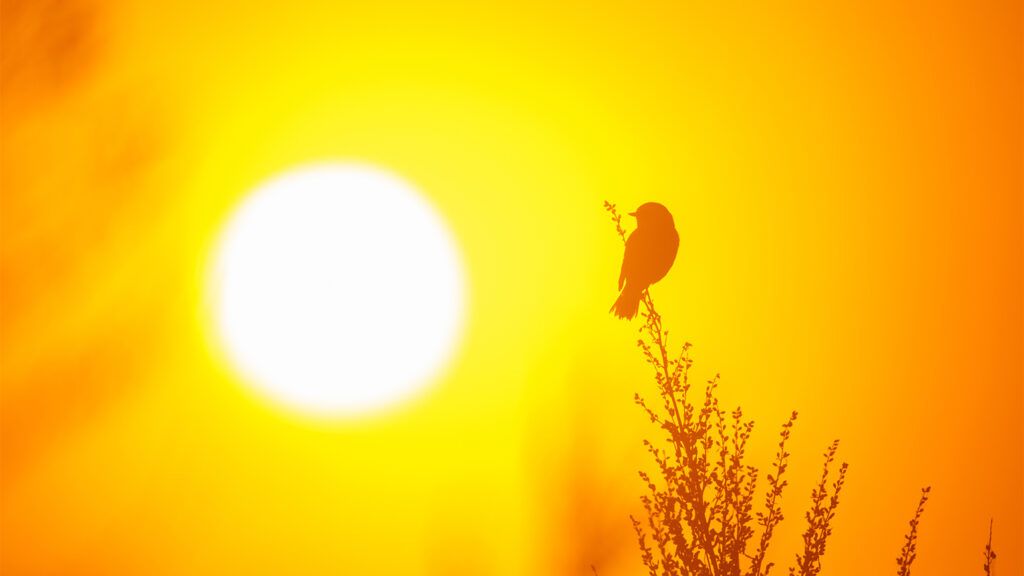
<point x="650" y="251"/>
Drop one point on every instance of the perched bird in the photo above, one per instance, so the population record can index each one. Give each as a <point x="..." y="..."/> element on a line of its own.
<point x="650" y="252"/>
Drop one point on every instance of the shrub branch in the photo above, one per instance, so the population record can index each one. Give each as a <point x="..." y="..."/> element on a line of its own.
<point x="699" y="507"/>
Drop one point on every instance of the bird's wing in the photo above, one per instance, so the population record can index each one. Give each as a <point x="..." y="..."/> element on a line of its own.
<point x="645" y="259"/>
<point x="622" y="271"/>
<point x="638" y="246"/>
<point x="627" y="259"/>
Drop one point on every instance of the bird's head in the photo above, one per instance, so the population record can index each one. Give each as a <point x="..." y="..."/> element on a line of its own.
<point x="653" y="214"/>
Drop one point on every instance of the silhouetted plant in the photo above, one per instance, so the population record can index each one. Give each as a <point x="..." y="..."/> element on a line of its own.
<point x="699" y="510"/>
<point x="819" y="517"/>
<point x="772" y="515"/>
<point x="990" y="553"/>
<point x="700" y="516"/>
<point x="909" y="551"/>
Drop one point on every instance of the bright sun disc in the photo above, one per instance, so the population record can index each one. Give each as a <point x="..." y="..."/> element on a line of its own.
<point x="336" y="290"/>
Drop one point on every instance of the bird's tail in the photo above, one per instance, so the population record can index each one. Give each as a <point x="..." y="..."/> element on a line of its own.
<point x="628" y="303"/>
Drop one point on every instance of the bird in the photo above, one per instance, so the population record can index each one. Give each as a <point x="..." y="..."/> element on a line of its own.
<point x="650" y="252"/>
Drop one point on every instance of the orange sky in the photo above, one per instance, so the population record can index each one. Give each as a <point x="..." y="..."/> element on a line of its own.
<point x="847" y="186"/>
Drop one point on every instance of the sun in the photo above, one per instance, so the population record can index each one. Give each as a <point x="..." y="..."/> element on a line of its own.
<point x="336" y="290"/>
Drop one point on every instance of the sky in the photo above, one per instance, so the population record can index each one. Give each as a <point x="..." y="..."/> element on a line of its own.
<point x="846" y="181"/>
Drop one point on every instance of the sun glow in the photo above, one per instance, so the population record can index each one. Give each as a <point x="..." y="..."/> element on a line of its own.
<point x="336" y="290"/>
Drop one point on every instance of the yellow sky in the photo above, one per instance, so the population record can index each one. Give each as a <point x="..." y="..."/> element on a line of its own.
<point x="847" y="186"/>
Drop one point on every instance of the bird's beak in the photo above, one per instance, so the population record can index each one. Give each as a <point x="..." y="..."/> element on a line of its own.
<point x="633" y="214"/>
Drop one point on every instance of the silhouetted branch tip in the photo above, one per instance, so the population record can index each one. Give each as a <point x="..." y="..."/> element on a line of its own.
<point x="909" y="551"/>
<point x="990" y="553"/>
